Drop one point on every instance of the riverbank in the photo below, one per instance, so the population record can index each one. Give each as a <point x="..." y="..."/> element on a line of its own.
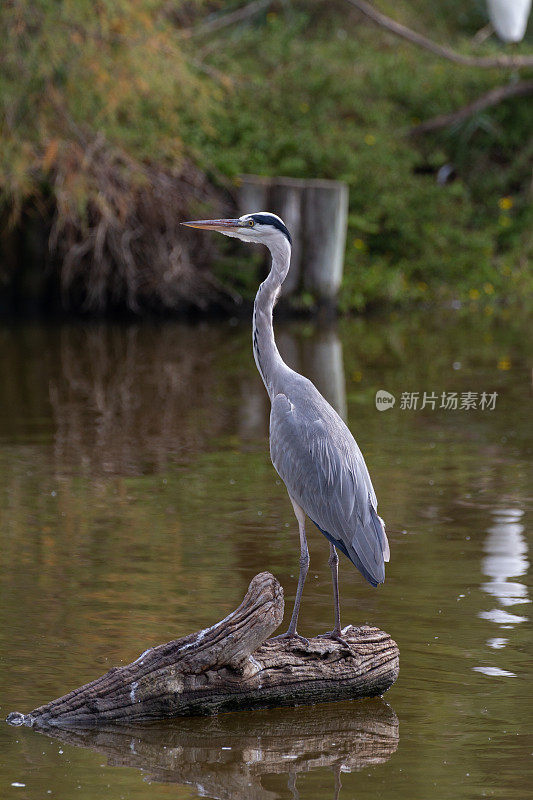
<point x="123" y="122"/>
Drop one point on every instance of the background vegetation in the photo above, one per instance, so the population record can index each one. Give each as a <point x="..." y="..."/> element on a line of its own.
<point x="120" y="118"/>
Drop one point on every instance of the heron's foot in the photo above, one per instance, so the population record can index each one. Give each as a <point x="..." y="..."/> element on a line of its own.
<point x="335" y="636"/>
<point x="290" y="635"/>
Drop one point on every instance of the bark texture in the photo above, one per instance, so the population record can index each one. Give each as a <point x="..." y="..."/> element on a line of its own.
<point x="227" y="667"/>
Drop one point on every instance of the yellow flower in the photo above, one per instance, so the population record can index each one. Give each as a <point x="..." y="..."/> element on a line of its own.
<point x="504" y="363"/>
<point x="489" y="288"/>
<point x="473" y="294"/>
<point x="357" y="376"/>
<point x="359" y="244"/>
<point x="505" y="203"/>
<point x="370" y="139"/>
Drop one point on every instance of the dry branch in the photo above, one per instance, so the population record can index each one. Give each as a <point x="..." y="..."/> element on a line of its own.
<point x="220" y="21"/>
<point x="503" y="62"/>
<point x="486" y="100"/>
<point x="230" y="666"/>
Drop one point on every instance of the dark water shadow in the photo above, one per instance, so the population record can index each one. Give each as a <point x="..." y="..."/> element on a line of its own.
<point x="124" y="400"/>
<point x="234" y="756"/>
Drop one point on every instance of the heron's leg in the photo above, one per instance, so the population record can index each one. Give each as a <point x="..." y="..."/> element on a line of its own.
<point x="333" y="562"/>
<point x="304" y="567"/>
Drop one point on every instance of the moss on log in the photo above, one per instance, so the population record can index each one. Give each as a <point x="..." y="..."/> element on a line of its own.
<point x="230" y="666"/>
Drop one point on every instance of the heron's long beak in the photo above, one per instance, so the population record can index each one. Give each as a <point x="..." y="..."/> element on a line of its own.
<point x="214" y="224"/>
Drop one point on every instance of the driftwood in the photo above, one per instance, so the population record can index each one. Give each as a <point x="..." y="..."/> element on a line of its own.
<point x="230" y="667"/>
<point x="229" y="757"/>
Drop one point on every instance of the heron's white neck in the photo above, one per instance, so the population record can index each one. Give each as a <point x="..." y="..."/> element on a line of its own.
<point x="269" y="362"/>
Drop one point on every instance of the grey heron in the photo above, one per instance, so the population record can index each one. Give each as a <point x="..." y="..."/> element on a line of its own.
<point x="311" y="448"/>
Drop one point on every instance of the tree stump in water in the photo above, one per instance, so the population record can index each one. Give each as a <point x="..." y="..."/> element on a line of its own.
<point x="227" y="667"/>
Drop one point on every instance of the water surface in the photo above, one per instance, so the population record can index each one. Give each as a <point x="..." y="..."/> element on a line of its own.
<point x="137" y="500"/>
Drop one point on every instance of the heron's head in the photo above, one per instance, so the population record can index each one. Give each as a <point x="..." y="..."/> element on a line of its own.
<point x="261" y="227"/>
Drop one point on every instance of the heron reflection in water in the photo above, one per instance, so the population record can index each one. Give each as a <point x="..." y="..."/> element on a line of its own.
<point x="311" y="448"/>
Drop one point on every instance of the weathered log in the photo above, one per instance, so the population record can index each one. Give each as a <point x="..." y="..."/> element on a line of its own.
<point x="229" y="756"/>
<point x="229" y="667"/>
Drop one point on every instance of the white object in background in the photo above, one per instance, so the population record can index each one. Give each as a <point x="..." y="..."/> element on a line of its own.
<point x="509" y="18"/>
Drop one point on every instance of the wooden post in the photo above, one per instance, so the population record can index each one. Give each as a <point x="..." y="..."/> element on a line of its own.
<point x="253" y="194"/>
<point x="286" y="200"/>
<point x="325" y="221"/>
<point x="316" y="213"/>
<point x="227" y="667"/>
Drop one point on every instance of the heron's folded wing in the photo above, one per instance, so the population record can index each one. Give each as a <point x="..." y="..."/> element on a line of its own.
<point x="326" y="475"/>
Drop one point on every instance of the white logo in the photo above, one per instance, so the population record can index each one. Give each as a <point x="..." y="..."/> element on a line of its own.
<point x="384" y="400"/>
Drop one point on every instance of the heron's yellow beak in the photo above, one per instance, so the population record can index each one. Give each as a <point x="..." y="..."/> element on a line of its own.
<point x="214" y="224"/>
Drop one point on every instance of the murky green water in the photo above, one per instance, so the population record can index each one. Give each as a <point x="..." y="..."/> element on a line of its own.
<point x="137" y="500"/>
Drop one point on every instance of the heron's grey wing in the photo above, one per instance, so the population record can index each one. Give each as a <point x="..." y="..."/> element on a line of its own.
<point x="325" y="473"/>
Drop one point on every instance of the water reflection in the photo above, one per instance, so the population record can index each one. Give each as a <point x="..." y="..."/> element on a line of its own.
<point x="138" y="499"/>
<point x="505" y="558"/>
<point x="251" y="757"/>
<point x="320" y="359"/>
<point x="506" y="548"/>
<point x="126" y="399"/>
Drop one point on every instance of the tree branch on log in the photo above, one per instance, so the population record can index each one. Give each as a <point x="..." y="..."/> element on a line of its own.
<point x="486" y="100"/>
<point x="230" y="666"/>
<point x="503" y="62"/>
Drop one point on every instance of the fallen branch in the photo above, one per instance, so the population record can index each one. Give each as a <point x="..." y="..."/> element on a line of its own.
<point x="503" y="62"/>
<point x="230" y="666"/>
<point x="491" y="98"/>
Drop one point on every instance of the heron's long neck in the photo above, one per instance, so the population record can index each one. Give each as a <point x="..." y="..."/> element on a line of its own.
<point x="269" y="362"/>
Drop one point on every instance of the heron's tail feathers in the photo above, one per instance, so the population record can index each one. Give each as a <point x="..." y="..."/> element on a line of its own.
<point x="379" y="527"/>
<point x="374" y="576"/>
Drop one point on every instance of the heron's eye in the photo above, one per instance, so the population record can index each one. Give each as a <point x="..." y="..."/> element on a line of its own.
<point x="250" y="222"/>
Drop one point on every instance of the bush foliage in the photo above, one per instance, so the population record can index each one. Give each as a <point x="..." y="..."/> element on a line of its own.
<point x="304" y="89"/>
<point x="323" y="93"/>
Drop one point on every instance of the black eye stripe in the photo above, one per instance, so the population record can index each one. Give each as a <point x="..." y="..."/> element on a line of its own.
<point x="266" y="219"/>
